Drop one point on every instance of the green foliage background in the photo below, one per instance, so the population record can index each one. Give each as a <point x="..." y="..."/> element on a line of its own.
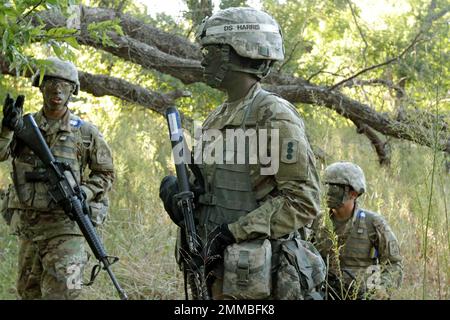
<point x="323" y="43"/>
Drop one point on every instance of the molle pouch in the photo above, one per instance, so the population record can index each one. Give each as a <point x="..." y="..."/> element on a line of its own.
<point x="24" y="189"/>
<point x="98" y="211"/>
<point x="300" y="271"/>
<point x="247" y="270"/>
<point x="6" y="214"/>
<point x="287" y="279"/>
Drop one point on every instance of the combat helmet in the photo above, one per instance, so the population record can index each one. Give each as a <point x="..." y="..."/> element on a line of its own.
<point x="59" y="69"/>
<point x="252" y="33"/>
<point x="346" y="173"/>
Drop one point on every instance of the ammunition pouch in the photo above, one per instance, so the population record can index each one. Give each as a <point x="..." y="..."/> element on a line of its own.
<point x="299" y="270"/>
<point x="36" y="176"/>
<point x="247" y="270"/>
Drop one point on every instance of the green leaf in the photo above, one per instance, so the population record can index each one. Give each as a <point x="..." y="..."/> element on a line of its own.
<point x="41" y="73"/>
<point x="56" y="48"/>
<point x="73" y="42"/>
<point x="5" y="41"/>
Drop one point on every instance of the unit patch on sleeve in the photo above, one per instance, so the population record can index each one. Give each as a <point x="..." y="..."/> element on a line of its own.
<point x="289" y="150"/>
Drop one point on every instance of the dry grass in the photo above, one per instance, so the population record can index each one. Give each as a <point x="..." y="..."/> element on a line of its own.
<point x="139" y="232"/>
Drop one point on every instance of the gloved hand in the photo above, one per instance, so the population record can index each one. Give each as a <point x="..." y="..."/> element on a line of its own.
<point x="84" y="202"/>
<point x="218" y="240"/>
<point x="12" y="112"/>
<point x="167" y="191"/>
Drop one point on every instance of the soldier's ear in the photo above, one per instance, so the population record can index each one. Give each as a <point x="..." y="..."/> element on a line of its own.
<point x="353" y="194"/>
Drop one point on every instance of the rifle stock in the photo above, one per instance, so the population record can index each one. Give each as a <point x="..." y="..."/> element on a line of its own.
<point x="67" y="195"/>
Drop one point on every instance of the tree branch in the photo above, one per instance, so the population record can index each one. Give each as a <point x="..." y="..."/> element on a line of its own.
<point x="152" y="53"/>
<point x="102" y="85"/>
<point x="286" y="61"/>
<point x="359" y="30"/>
<point x="29" y="11"/>
<point x="382" y="148"/>
<point x="416" y="39"/>
<point x="426" y="25"/>
<point x="359" y="112"/>
<point x="401" y="92"/>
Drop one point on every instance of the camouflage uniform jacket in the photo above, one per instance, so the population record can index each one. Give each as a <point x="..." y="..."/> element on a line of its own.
<point x="252" y="204"/>
<point x="71" y="140"/>
<point x="364" y="241"/>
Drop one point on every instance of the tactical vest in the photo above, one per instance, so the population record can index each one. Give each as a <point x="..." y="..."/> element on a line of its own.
<point x="29" y="172"/>
<point x="360" y="246"/>
<point x="229" y="193"/>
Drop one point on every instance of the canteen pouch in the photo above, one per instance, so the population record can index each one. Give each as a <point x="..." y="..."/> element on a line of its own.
<point x="247" y="270"/>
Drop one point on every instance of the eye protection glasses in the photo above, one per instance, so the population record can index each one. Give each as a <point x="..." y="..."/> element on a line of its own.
<point x="211" y="50"/>
<point x="52" y="83"/>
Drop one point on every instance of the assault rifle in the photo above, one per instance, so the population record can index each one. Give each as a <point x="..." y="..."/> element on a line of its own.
<point x="191" y="247"/>
<point x="66" y="192"/>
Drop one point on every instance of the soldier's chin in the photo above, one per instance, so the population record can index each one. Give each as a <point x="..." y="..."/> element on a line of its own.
<point x="53" y="106"/>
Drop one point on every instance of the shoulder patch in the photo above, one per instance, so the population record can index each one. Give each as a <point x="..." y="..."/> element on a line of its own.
<point x="103" y="155"/>
<point x="394" y="249"/>
<point x="76" y="123"/>
<point x="361" y="214"/>
<point x="289" y="150"/>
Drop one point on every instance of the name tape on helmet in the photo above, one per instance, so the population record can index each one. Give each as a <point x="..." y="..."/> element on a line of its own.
<point x="241" y="27"/>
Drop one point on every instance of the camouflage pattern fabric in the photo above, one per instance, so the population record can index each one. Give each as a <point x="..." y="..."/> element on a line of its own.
<point x="300" y="270"/>
<point x="366" y="259"/>
<point x="52" y="268"/>
<point x="59" y="69"/>
<point x="346" y="173"/>
<point x="71" y="140"/>
<point x="36" y="219"/>
<point x="252" y="33"/>
<point x="296" y="180"/>
<point x="247" y="270"/>
<point x="259" y="206"/>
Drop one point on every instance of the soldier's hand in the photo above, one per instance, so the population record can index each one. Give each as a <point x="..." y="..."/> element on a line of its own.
<point x="84" y="201"/>
<point x="12" y="112"/>
<point x="167" y="191"/>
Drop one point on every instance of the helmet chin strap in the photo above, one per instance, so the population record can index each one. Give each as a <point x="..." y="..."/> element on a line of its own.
<point x="262" y="72"/>
<point x="68" y="99"/>
<point x="226" y="66"/>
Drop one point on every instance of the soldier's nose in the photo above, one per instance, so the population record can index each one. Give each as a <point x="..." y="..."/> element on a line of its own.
<point x="58" y="88"/>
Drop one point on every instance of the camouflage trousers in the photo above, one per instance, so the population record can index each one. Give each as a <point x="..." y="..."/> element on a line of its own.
<point x="52" y="268"/>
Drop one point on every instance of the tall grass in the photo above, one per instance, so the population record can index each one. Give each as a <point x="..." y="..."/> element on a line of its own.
<point x="140" y="233"/>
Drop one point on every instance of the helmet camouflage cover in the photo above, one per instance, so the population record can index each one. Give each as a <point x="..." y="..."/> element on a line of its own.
<point x="251" y="33"/>
<point x="346" y="173"/>
<point x="59" y="69"/>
